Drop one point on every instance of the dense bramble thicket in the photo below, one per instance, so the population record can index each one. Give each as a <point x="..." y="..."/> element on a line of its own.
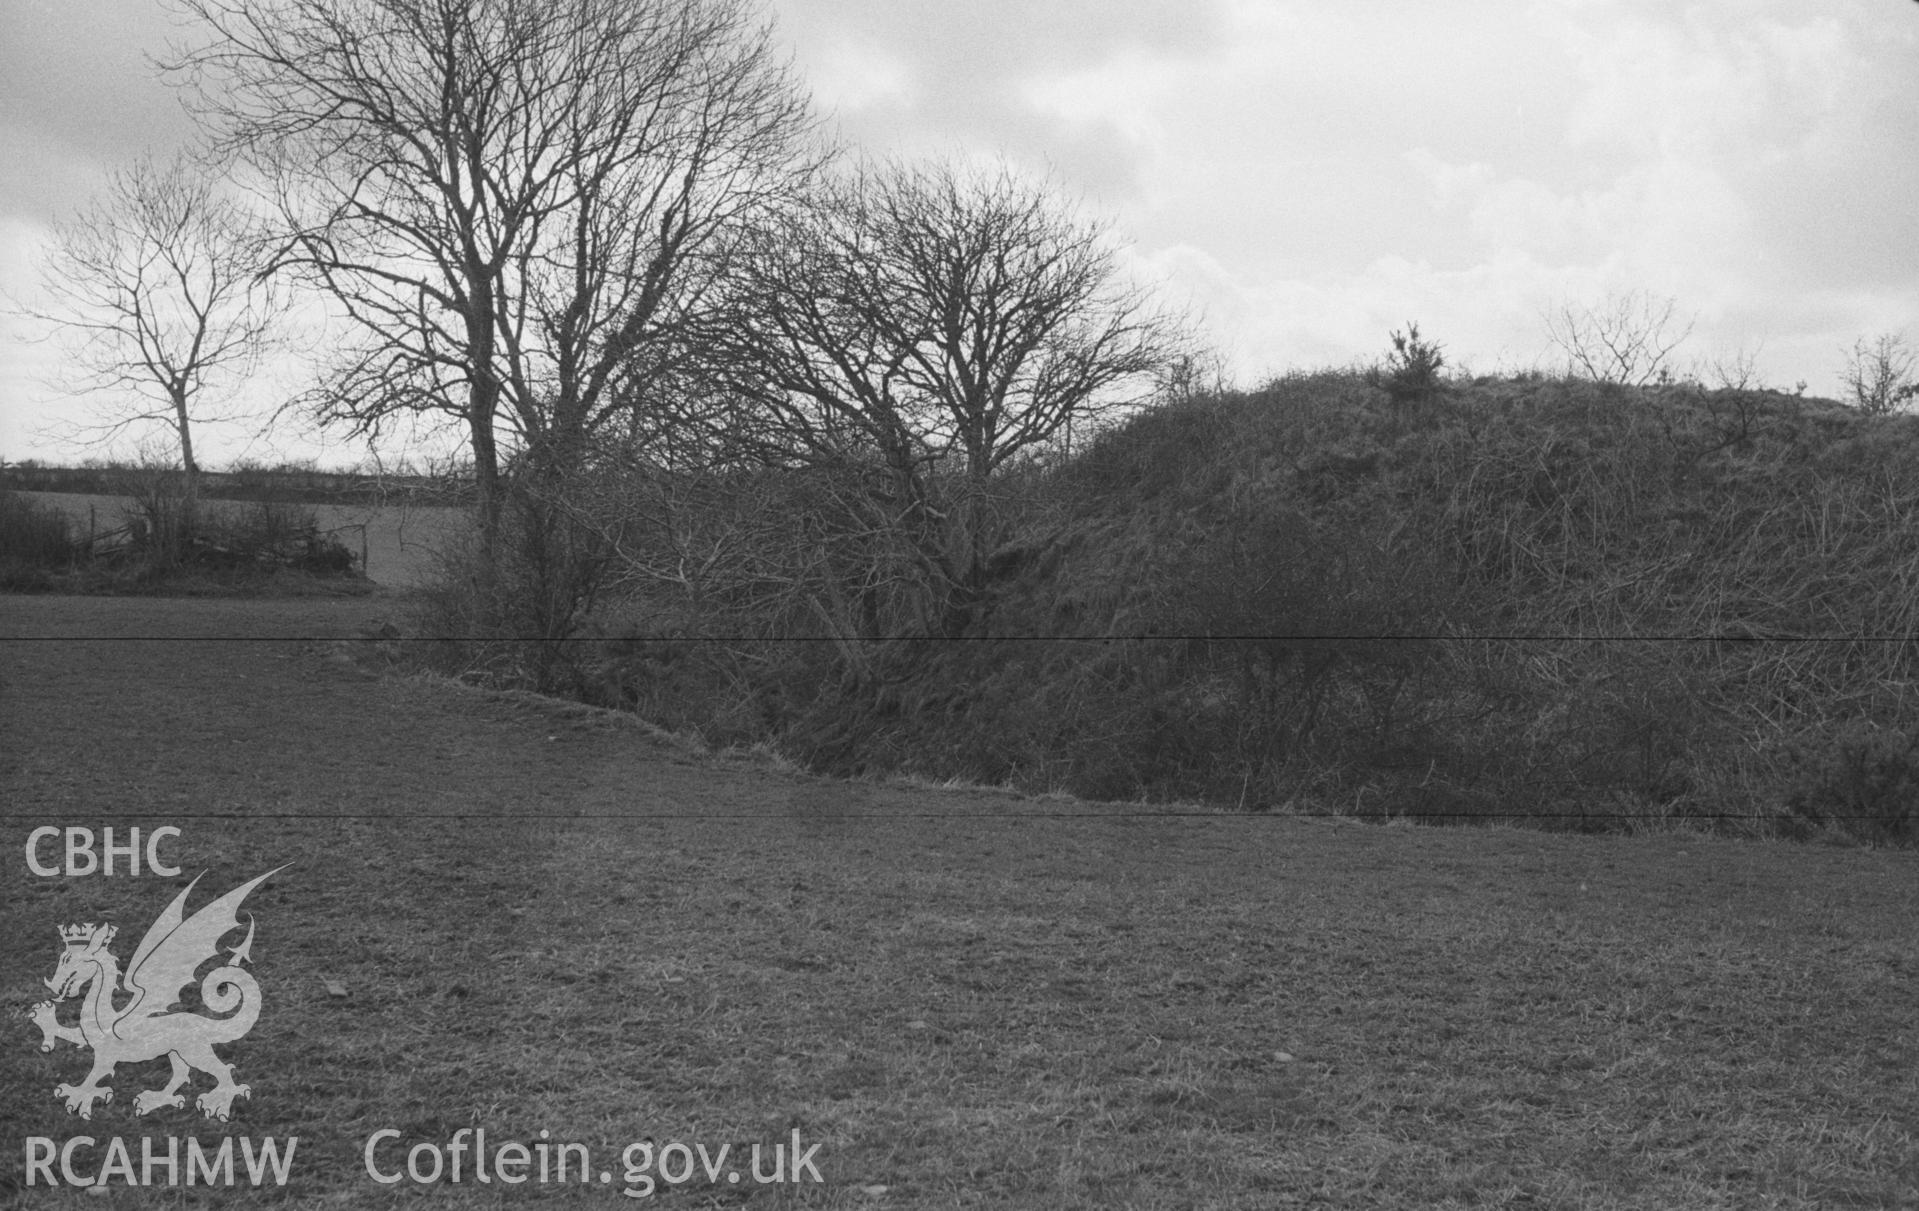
<point x="1591" y="605"/>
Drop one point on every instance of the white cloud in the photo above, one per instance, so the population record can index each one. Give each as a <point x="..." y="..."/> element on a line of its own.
<point x="1699" y="82"/>
<point x="1126" y="93"/>
<point x="855" y="73"/>
<point x="26" y="358"/>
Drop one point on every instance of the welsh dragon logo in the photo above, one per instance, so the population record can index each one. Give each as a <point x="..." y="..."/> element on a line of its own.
<point x="150" y="1025"/>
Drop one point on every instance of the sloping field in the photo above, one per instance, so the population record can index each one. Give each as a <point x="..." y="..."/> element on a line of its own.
<point x="545" y="922"/>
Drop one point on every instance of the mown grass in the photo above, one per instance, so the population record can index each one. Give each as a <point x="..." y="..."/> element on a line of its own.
<point x="549" y="917"/>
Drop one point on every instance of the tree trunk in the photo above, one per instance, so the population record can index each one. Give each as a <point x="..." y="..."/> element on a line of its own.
<point x="486" y="466"/>
<point x="483" y="403"/>
<point x="190" y="469"/>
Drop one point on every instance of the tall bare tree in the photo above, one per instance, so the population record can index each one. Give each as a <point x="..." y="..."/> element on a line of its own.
<point x="516" y="203"/>
<point x="157" y="291"/>
<point x="941" y="321"/>
<point x="964" y="314"/>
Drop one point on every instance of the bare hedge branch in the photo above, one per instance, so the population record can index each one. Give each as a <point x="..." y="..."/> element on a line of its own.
<point x="1628" y="338"/>
<point x="1879" y="373"/>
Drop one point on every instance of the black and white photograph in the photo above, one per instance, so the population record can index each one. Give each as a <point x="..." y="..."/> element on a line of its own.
<point x="895" y="604"/>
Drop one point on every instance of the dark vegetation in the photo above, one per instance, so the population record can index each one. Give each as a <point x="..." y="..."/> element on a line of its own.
<point x="165" y="539"/>
<point x="1579" y="604"/>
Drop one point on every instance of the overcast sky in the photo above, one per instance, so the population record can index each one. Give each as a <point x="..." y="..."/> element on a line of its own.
<point x="1305" y="174"/>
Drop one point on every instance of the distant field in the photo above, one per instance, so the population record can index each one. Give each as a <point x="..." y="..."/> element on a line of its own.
<point x="401" y="541"/>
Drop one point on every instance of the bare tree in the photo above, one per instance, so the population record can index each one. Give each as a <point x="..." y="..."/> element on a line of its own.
<point x="1628" y="338"/>
<point x="516" y="203"/>
<point x="1733" y="370"/>
<point x="939" y="322"/>
<point x="157" y="291"/>
<point x="1879" y="373"/>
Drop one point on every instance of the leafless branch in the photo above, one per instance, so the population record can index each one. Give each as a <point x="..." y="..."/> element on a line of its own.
<point x="1879" y="373"/>
<point x="1628" y="338"/>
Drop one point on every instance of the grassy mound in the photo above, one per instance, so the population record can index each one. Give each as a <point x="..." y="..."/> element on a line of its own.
<point x="1521" y="599"/>
<point x="1581" y="605"/>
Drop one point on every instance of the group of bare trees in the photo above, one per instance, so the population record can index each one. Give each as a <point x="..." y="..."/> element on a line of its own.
<point x="593" y="230"/>
<point x="899" y="341"/>
<point x="515" y="206"/>
<point x="944" y="323"/>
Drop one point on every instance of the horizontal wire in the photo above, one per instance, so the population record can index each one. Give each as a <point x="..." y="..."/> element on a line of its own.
<point x="807" y="815"/>
<point x="931" y="639"/>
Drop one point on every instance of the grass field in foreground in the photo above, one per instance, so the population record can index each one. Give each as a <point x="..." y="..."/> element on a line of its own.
<point x="544" y="918"/>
